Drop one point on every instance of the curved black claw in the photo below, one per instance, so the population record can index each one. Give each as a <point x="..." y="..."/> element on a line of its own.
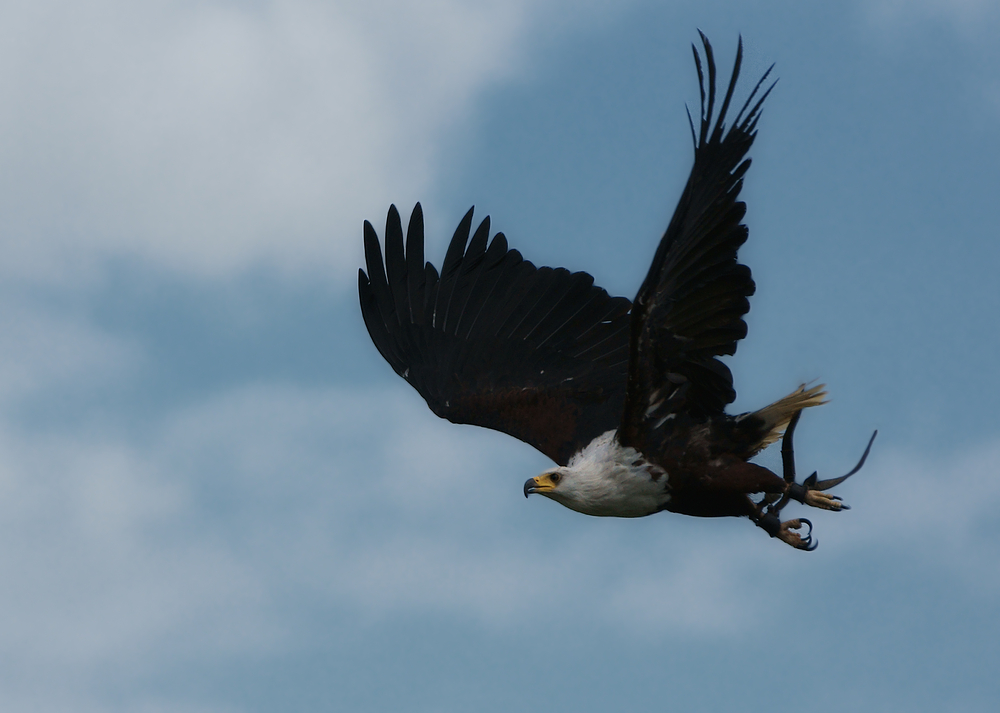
<point x="799" y="542"/>
<point x="808" y="541"/>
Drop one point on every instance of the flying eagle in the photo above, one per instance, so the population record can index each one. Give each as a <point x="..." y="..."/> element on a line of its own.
<point x="628" y="398"/>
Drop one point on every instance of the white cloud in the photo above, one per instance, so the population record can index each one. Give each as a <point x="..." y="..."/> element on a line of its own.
<point x="205" y="539"/>
<point x="94" y="534"/>
<point x="210" y="136"/>
<point x="44" y="351"/>
<point x="365" y="499"/>
<point x="941" y="510"/>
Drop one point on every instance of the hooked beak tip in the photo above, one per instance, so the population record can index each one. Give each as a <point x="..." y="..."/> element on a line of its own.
<point x="530" y="486"/>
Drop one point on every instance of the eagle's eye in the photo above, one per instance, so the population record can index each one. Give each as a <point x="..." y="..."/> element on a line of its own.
<point x="555" y="478"/>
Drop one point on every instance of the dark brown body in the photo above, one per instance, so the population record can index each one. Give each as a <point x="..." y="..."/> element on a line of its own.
<point x="719" y="489"/>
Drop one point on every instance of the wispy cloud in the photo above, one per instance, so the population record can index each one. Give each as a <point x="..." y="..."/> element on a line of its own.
<point x="204" y="537"/>
<point x="940" y="509"/>
<point x="208" y="137"/>
<point x="45" y="350"/>
<point x="276" y="485"/>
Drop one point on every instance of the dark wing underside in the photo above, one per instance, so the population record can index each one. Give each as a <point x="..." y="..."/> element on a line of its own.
<point x="538" y="353"/>
<point x="689" y="310"/>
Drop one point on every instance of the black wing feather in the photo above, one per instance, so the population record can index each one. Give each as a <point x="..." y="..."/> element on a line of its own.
<point x="538" y="353"/>
<point x="689" y="309"/>
<point x="416" y="279"/>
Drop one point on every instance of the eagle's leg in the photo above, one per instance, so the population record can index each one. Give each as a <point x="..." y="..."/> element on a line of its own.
<point x="810" y="491"/>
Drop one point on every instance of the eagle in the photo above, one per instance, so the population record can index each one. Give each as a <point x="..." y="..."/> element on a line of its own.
<point x="628" y="398"/>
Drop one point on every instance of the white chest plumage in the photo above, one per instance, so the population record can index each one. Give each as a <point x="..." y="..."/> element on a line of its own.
<point x="608" y="480"/>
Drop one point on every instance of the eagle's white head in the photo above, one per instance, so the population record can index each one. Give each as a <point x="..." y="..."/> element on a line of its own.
<point x="606" y="480"/>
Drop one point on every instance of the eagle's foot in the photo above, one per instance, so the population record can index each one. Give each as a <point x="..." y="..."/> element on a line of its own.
<point x="819" y="499"/>
<point x="786" y="531"/>
<point x="815" y="497"/>
<point x="805" y="541"/>
<point x="811" y="491"/>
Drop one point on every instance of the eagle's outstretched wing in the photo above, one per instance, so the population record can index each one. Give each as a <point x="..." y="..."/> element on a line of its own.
<point x="538" y="353"/>
<point x="689" y="309"/>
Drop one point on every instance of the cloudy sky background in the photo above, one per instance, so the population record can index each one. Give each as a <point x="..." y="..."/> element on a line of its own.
<point x="215" y="496"/>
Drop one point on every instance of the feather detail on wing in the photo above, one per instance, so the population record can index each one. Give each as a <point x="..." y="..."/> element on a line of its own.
<point x="689" y="309"/>
<point x="535" y="352"/>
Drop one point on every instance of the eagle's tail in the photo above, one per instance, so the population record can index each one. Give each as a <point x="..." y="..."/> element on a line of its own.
<point x="776" y="416"/>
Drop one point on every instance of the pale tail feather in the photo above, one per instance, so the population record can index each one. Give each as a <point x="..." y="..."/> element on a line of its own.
<point x="777" y="415"/>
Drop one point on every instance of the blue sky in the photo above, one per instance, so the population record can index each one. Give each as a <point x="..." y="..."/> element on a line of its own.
<point x="215" y="496"/>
